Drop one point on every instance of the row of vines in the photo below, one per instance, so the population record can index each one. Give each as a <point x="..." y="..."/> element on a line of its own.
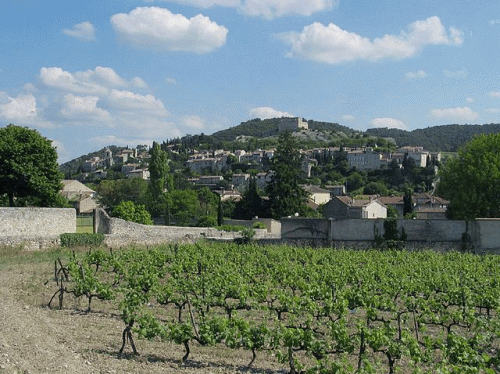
<point x="316" y="310"/>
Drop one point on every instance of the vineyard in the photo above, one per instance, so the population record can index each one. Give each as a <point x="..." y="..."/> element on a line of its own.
<point x="315" y="310"/>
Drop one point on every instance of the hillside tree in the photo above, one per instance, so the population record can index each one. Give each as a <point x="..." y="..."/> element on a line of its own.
<point x="471" y="180"/>
<point x="159" y="181"/>
<point x="286" y="196"/>
<point x="29" y="172"/>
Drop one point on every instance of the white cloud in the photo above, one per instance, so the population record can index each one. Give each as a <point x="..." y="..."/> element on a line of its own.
<point x="130" y="101"/>
<point x="391" y="123"/>
<point x="464" y="113"/>
<point x="205" y="3"/>
<point x="21" y="109"/>
<point x="268" y="9"/>
<point x="193" y="122"/>
<point x="494" y="22"/>
<point x="83" y="108"/>
<point x="416" y="75"/>
<point x="495" y="94"/>
<point x="471" y="100"/>
<point x="138" y="82"/>
<point x="267" y="112"/>
<point x="160" y="30"/>
<point x="120" y="141"/>
<point x="333" y="45"/>
<point x="97" y="81"/>
<point x="170" y="80"/>
<point x="348" y="118"/>
<point x="278" y="8"/>
<point x="84" y="31"/>
<point x="460" y="74"/>
<point x="493" y="110"/>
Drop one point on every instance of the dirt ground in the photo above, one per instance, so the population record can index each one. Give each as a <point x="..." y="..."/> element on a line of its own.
<point x="36" y="339"/>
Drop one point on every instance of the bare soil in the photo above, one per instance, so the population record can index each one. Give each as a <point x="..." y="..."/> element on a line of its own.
<point x="36" y="339"/>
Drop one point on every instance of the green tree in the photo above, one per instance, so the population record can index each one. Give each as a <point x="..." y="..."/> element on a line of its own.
<point x="113" y="192"/>
<point x="28" y="167"/>
<point x="471" y="180"/>
<point x="184" y="206"/>
<point x="159" y="177"/>
<point x="129" y="211"/>
<point x="251" y="204"/>
<point x="286" y="196"/>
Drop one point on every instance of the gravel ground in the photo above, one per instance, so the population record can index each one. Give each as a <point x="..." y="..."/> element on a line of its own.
<point x="36" y="339"/>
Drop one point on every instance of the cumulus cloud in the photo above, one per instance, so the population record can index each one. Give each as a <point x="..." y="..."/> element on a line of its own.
<point x="267" y="112"/>
<point x="493" y="110"/>
<point x="206" y="3"/>
<point x="391" y="123"/>
<point x="170" y="80"/>
<point x="130" y="101"/>
<point x="83" y="108"/>
<point x="471" y="100"/>
<point x="333" y="45"/>
<point x="193" y="122"/>
<point x="20" y="109"/>
<point x="84" y="31"/>
<point x="460" y="74"/>
<point x="97" y="81"/>
<point x="416" y="75"/>
<point x="495" y="94"/>
<point x="348" y="118"/>
<point x="278" y="8"/>
<point x="160" y="30"/>
<point x="268" y="9"/>
<point x="464" y="113"/>
<point x="494" y="22"/>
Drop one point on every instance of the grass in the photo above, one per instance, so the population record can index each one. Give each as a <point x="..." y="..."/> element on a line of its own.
<point x="12" y="256"/>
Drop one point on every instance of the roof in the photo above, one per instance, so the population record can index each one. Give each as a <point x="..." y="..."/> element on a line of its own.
<point x="315" y="189"/>
<point x="70" y="185"/>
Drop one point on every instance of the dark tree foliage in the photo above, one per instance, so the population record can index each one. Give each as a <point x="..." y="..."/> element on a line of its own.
<point x="251" y="203"/>
<point x="471" y="181"/>
<point x="28" y="167"/>
<point x="286" y="196"/>
<point x="113" y="192"/>
<point x="158" y="169"/>
<point x="447" y="138"/>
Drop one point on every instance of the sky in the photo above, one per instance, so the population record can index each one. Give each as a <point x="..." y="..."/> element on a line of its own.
<point x="88" y="74"/>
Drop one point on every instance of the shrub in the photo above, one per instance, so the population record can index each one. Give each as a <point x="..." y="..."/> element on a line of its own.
<point x="81" y="239"/>
<point x="258" y="225"/>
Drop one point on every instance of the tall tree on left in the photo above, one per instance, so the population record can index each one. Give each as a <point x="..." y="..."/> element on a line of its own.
<point x="28" y="168"/>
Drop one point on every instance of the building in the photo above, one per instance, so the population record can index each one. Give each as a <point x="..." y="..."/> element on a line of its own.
<point x="292" y="124"/>
<point x="317" y="195"/>
<point x="343" y="207"/>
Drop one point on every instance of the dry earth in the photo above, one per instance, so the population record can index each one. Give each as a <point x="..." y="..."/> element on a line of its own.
<point x="36" y="339"/>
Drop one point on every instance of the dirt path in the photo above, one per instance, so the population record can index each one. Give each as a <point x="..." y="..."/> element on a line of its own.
<point x="36" y="339"/>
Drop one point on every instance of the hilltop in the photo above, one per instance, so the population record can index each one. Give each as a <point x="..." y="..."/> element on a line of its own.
<point x="258" y="133"/>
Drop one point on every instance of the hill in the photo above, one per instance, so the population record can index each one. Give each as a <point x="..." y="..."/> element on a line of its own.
<point x="446" y="138"/>
<point x="261" y="128"/>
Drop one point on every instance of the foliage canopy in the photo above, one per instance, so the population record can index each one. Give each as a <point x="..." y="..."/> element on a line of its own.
<point x="28" y="167"/>
<point x="286" y="196"/>
<point x="470" y="181"/>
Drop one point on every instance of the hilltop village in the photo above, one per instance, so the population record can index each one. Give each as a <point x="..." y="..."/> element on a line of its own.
<point x="228" y="173"/>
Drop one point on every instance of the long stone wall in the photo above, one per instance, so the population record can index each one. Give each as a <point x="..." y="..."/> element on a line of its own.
<point x="120" y="233"/>
<point x="35" y="228"/>
<point x="482" y="235"/>
<point x="36" y="221"/>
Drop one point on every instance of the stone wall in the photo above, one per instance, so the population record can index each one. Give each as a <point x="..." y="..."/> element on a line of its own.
<point x="36" y="221"/>
<point x="120" y="233"/>
<point x="483" y="234"/>
<point x="35" y="228"/>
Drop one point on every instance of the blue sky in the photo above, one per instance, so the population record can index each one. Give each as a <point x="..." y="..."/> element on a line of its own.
<point x="88" y="74"/>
